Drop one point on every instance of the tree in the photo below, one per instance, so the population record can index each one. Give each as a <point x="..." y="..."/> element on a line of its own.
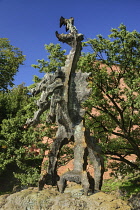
<point x="10" y="59"/>
<point x="56" y="59"/>
<point x="113" y="109"/>
<point x="21" y="150"/>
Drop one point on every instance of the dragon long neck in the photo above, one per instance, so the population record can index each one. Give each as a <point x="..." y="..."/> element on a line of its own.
<point x="70" y="67"/>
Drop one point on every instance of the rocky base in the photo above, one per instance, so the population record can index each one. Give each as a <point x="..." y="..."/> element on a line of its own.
<point x="134" y="201"/>
<point x="51" y="199"/>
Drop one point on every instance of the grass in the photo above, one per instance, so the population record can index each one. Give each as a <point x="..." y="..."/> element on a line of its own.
<point x="131" y="186"/>
<point x="111" y="185"/>
<point x="126" y="187"/>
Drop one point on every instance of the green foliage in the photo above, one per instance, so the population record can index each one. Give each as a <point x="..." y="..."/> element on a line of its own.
<point x="111" y="185"/>
<point x="56" y="59"/>
<point x="126" y="186"/>
<point x="130" y="186"/>
<point x="29" y="177"/>
<point x="66" y="154"/>
<point x="18" y="145"/>
<point x="113" y="108"/>
<point x="10" y="59"/>
<point x="121" y="169"/>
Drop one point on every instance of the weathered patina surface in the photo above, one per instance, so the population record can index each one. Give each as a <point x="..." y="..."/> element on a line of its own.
<point x="68" y="89"/>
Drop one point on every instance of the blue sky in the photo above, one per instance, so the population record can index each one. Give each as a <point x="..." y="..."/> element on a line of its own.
<point x="29" y="24"/>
